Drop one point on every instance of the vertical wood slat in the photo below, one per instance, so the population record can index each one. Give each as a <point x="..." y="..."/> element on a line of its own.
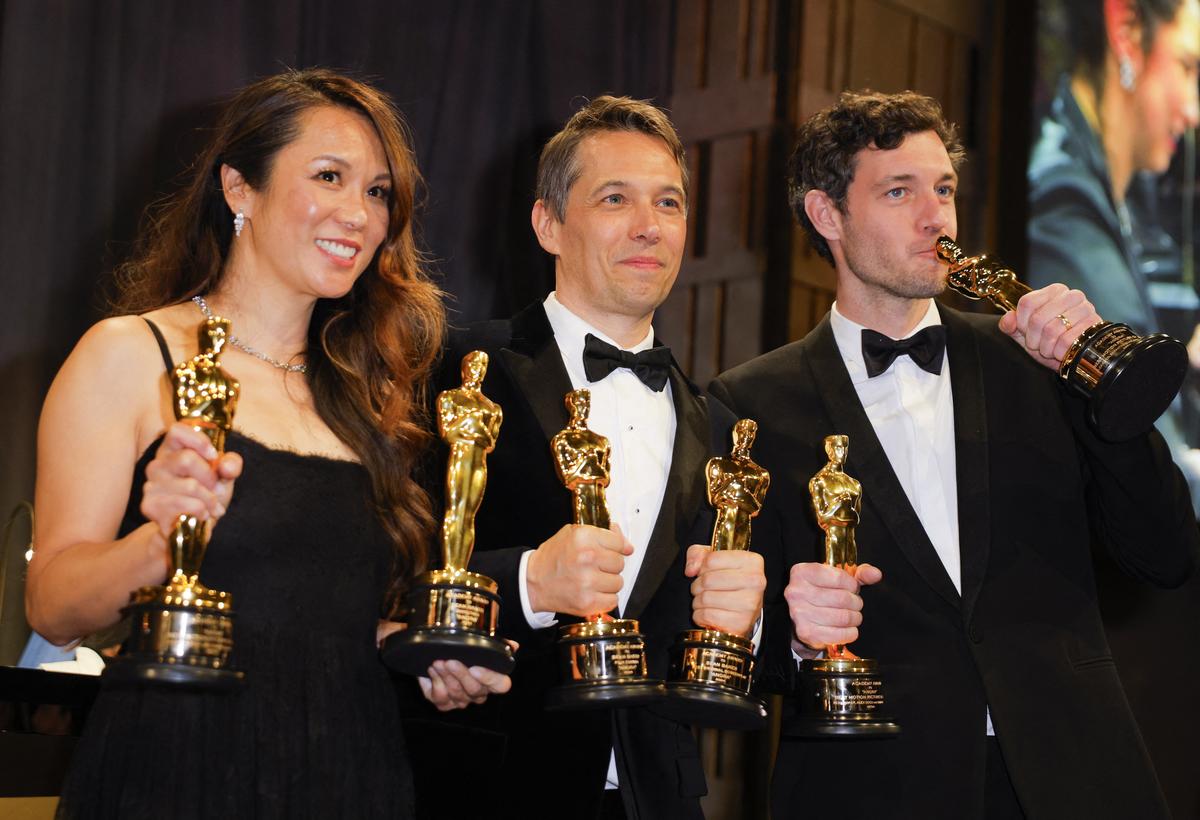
<point x="881" y="47"/>
<point x="691" y="34"/>
<point x="726" y="41"/>
<point x="932" y="50"/>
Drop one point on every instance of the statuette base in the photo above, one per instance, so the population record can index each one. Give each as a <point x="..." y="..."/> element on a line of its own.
<point x="180" y="634"/>
<point x="709" y="684"/>
<point x="842" y="697"/>
<point x="452" y="615"/>
<point x="603" y="664"/>
<point x="1128" y="380"/>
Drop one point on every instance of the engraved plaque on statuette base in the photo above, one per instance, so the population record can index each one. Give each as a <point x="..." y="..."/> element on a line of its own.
<point x="452" y="615"/>
<point x="709" y="683"/>
<point x="842" y="697"/>
<point x="181" y="634"/>
<point x="603" y="664"/>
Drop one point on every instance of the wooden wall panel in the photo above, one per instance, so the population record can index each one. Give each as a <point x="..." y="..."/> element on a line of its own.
<point x="880" y="47"/>
<point x="932" y="53"/>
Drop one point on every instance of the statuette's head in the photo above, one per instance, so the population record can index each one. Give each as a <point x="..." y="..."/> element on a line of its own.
<point x="579" y="405"/>
<point x="474" y="368"/>
<point x="836" y="448"/>
<point x="213" y="333"/>
<point x="743" y="435"/>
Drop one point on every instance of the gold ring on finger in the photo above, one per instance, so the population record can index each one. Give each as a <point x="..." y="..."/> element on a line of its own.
<point x="1066" y="322"/>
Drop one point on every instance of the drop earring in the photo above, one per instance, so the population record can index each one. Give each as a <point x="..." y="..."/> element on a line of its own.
<point x="1125" y="73"/>
<point x="239" y="222"/>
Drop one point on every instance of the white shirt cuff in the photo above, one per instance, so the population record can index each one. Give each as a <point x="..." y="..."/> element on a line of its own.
<point x="756" y="634"/>
<point x="536" y="620"/>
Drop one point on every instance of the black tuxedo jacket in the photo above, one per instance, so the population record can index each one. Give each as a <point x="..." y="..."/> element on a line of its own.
<point x="1035" y="490"/>
<point x="553" y="765"/>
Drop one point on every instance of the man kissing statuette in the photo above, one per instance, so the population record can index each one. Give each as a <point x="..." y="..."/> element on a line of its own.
<point x="1127" y="379"/>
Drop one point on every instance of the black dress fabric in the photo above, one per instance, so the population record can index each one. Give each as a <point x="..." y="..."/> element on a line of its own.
<point x="315" y="731"/>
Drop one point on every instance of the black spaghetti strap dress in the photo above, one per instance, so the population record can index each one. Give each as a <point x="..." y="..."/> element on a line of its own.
<point x="315" y="730"/>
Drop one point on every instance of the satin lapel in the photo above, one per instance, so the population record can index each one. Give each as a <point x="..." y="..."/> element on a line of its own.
<point x="869" y="463"/>
<point x="970" y="453"/>
<point x="681" y="498"/>
<point x="536" y="367"/>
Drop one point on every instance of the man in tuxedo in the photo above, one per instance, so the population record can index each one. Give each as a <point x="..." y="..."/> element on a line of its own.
<point x="611" y="208"/>
<point x="984" y="490"/>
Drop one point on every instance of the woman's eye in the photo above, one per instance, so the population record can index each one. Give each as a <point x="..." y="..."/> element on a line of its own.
<point x="380" y="192"/>
<point x="328" y="176"/>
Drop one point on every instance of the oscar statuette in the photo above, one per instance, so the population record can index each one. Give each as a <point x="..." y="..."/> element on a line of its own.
<point x="711" y="670"/>
<point x="841" y="694"/>
<point x="182" y="633"/>
<point x="603" y="659"/>
<point x="1127" y="379"/>
<point x="452" y="613"/>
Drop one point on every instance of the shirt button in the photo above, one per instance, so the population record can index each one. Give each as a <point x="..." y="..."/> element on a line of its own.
<point x="631" y="427"/>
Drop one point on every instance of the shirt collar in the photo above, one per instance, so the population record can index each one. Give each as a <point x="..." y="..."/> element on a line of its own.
<point x="569" y="330"/>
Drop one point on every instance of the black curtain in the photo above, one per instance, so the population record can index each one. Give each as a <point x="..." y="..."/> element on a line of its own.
<point x="104" y="104"/>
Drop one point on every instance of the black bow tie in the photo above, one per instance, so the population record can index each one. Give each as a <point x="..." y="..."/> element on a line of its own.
<point x="925" y="347"/>
<point x="600" y="358"/>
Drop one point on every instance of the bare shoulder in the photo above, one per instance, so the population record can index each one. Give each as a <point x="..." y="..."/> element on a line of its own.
<point x="115" y="372"/>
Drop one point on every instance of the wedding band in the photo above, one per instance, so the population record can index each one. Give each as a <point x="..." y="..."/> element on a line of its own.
<point x="1066" y="322"/>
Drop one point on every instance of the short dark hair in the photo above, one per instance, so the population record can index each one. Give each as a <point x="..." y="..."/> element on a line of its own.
<point x="558" y="169"/>
<point x="1083" y="28"/>
<point x="828" y="145"/>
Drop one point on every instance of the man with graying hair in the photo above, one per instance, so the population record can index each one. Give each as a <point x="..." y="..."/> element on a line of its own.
<point x="611" y="208"/>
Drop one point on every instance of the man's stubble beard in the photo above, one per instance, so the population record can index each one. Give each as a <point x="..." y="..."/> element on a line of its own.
<point x="883" y="274"/>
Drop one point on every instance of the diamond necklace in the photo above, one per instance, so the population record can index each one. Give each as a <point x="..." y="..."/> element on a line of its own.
<point x="245" y="348"/>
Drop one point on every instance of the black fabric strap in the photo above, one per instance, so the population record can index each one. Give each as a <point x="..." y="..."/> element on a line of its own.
<point x="162" y="346"/>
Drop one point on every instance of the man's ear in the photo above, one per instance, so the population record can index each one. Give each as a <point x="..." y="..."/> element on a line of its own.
<point x="546" y="227"/>
<point x="239" y="196"/>
<point x="823" y="212"/>
<point x="1123" y="28"/>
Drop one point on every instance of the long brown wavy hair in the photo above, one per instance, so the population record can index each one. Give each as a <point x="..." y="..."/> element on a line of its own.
<point x="369" y="352"/>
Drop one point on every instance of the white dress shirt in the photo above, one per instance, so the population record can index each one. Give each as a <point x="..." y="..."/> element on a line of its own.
<point x="912" y="413"/>
<point x="639" y="424"/>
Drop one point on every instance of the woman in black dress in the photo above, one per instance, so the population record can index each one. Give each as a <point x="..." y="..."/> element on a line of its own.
<point x="297" y="227"/>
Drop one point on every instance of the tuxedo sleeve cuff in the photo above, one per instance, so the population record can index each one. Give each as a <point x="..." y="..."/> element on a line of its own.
<point x="536" y="620"/>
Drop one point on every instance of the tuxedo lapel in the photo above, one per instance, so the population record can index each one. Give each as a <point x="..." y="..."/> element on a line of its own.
<point x="970" y="453"/>
<point x="868" y="462"/>
<point x="682" y="495"/>
<point x="535" y="365"/>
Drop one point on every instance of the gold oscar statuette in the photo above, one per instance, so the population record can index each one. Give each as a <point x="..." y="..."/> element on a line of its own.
<point x="452" y="612"/>
<point x="841" y="694"/>
<point x="711" y="670"/>
<point x="182" y="633"/>
<point x="603" y="659"/>
<point x="1127" y="379"/>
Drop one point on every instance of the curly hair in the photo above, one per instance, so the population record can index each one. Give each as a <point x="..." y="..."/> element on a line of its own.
<point x="558" y="169"/>
<point x="369" y="352"/>
<point x="828" y="143"/>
